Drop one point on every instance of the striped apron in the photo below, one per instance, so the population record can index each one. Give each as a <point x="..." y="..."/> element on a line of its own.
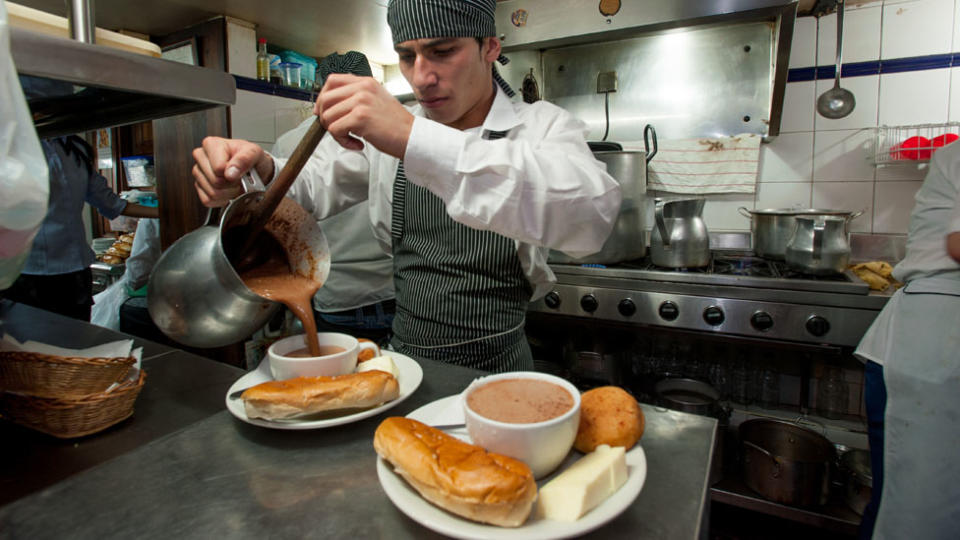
<point x="461" y="293"/>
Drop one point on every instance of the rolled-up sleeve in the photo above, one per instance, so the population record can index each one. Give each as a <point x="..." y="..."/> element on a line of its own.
<point x="539" y="185"/>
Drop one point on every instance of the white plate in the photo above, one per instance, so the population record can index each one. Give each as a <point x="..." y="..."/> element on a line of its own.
<point x="410" y="377"/>
<point x="432" y="517"/>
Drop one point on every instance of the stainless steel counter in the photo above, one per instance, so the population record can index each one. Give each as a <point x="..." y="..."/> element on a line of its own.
<point x="218" y="477"/>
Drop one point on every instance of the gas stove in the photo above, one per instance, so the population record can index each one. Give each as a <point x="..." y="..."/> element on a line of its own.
<point x="736" y="294"/>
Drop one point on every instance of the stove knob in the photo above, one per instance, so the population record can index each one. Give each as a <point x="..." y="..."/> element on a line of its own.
<point x="817" y="325"/>
<point x="669" y="311"/>
<point x="761" y="321"/>
<point x="552" y="300"/>
<point x="713" y="316"/>
<point x="626" y="307"/>
<point x="589" y="303"/>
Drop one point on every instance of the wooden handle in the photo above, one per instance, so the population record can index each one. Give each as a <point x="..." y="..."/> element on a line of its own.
<point x="281" y="184"/>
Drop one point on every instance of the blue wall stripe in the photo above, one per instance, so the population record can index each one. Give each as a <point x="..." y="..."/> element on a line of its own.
<point x="876" y="67"/>
<point x="255" y="85"/>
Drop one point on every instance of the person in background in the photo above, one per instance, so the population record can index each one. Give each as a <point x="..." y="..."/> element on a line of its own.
<point x="912" y="381"/>
<point x="357" y="297"/>
<point x="467" y="189"/>
<point x="57" y="276"/>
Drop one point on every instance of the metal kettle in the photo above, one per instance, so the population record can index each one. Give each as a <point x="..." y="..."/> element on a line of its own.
<point x="680" y="238"/>
<point x="819" y="245"/>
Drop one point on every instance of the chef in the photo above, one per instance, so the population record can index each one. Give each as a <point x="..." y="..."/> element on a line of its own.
<point x="467" y="189"/>
<point x="912" y="385"/>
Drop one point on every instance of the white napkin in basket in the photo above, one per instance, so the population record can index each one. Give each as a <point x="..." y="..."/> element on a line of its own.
<point x="114" y="349"/>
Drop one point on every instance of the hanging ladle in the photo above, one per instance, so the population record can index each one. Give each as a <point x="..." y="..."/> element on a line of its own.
<point x="837" y="102"/>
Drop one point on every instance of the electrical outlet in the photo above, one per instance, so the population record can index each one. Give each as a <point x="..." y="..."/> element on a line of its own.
<point x="606" y="82"/>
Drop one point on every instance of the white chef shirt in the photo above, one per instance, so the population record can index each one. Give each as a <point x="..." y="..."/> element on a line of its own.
<point x="360" y="272"/>
<point x="927" y="266"/>
<point x="539" y="185"/>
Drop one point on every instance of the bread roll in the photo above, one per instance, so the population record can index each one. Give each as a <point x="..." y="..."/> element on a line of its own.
<point x="306" y="395"/>
<point x="608" y="415"/>
<point x="459" y="477"/>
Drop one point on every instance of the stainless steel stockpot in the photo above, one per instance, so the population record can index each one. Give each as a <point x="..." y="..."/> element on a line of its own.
<point x="773" y="227"/>
<point x="626" y="241"/>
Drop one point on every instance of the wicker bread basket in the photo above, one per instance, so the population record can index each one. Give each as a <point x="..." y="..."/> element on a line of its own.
<point x="76" y="416"/>
<point x="47" y="375"/>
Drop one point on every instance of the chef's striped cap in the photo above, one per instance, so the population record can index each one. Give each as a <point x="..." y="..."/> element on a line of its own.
<point x="350" y="62"/>
<point x="425" y="19"/>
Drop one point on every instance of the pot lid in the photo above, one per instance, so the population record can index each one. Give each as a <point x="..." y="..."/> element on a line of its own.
<point x="799" y="212"/>
<point x="604" y="146"/>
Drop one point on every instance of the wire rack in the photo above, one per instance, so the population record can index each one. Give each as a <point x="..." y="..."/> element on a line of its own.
<point x="912" y="144"/>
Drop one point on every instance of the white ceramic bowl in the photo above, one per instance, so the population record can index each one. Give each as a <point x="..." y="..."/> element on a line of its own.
<point x="541" y="445"/>
<point x="287" y="367"/>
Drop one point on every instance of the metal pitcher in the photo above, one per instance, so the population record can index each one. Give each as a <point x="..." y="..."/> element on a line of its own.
<point x="195" y="295"/>
<point x="819" y="245"/>
<point x="680" y="238"/>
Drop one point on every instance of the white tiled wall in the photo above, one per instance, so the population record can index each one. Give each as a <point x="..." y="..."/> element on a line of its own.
<point x="262" y="118"/>
<point x="826" y="163"/>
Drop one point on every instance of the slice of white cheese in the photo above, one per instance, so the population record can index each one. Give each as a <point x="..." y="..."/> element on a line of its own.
<point x="382" y="363"/>
<point x="584" y="485"/>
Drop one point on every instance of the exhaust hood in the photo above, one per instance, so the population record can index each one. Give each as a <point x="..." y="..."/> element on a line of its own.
<point x="693" y="68"/>
<point x="110" y="87"/>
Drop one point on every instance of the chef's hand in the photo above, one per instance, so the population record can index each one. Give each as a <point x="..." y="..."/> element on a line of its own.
<point x="362" y="106"/>
<point x="219" y="165"/>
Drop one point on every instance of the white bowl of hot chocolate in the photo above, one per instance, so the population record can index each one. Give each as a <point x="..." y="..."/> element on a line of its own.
<point x="526" y="415"/>
<point x="331" y="354"/>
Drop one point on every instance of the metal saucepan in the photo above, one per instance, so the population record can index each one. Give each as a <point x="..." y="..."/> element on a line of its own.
<point x="195" y="295"/>
<point x="773" y="227"/>
<point x="786" y="463"/>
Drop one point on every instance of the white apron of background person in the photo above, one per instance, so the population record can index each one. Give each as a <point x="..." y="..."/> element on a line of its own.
<point x="917" y="340"/>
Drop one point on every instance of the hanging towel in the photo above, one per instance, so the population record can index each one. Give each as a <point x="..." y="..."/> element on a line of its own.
<point x="706" y="165"/>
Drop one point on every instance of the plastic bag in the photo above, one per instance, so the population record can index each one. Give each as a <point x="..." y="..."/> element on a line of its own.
<point x="143" y="256"/>
<point x="106" y="305"/>
<point x="24" y="186"/>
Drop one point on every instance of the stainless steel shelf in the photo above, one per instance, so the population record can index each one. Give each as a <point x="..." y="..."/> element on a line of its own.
<point x="834" y="516"/>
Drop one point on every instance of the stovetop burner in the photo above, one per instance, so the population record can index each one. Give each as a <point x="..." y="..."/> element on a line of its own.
<point x="735" y="268"/>
<point x="736" y="265"/>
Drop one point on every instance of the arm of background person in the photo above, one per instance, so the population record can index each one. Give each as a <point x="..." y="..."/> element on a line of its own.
<point x="139" y="211"/>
